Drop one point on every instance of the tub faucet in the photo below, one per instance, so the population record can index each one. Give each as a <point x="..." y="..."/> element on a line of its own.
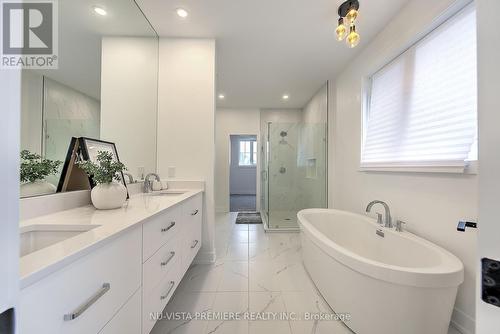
<point x="388" y="219"/>
<point x="147" y="183"/>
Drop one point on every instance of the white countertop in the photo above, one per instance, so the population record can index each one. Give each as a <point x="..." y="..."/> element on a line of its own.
<point x="111" y="223"/>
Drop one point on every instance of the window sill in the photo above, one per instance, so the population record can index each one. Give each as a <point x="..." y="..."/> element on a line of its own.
<point x="470" y="169"/>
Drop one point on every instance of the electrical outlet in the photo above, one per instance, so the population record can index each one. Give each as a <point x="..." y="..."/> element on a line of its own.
<point x="171" y="172"/>
<point x="140" y="172"/>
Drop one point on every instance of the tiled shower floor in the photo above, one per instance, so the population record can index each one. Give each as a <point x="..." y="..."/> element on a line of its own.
<point x="256" y="272"/>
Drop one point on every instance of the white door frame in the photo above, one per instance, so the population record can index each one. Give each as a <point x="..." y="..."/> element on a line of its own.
<point x="10" y="100"/>
<point x="488" y="44"/>
<point x="258" y="172"/>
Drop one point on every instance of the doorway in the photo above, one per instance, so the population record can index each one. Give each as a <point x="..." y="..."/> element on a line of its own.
<point x="243" y="173"/>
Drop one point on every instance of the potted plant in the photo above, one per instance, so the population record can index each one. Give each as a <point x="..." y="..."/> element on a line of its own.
<point x="33" y="172"/>
<point x="107" y="194"/>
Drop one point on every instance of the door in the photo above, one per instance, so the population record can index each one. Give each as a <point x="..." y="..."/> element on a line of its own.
<point x="488" y="44"/>
<point x="243" y="173"/>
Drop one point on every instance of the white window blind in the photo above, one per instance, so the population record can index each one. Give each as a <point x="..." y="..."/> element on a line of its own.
<point x="422" y="107"/>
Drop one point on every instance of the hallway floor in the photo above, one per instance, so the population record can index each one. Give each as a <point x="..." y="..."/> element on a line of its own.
<point x="242" y="203"/>
<point x="255" y="272"/>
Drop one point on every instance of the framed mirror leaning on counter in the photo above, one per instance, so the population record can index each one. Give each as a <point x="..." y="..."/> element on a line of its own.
<point x="108" y="70"/>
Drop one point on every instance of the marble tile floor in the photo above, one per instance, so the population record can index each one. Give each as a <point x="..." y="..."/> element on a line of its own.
<point x="255" y="272"/>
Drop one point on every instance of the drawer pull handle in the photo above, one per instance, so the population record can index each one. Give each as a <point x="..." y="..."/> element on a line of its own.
<point x="165" y="229"/>
<point x="165" y="296"/>
<point x="194" y="244"/>
<point x="195" y="212"/>
<point x="164" y="263"/>
<point x="79" y="311"/>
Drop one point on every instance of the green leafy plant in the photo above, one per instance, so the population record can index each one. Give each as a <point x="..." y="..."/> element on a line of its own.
<point x="34" y="168"/>
<point x="105" y="170"/>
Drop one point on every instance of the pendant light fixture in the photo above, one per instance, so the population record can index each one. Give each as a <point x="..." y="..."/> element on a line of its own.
<point x="348" y="13"/>
<point x="341" y="30"/>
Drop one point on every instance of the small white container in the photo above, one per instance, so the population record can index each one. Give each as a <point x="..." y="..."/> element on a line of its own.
<point x="108" y="196"/>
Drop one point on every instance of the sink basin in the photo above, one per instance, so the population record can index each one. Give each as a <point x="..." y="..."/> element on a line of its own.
<point x="36" y="237"/>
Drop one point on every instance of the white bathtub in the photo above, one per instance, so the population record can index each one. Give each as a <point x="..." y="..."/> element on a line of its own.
<point x="396" y="284"/>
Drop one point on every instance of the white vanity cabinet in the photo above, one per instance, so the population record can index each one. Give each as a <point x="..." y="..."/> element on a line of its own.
<point x="128" y="319"/>
<point x="118" y="287"/>
<point x="86" y="294"/>
<point x="175" y="247"/>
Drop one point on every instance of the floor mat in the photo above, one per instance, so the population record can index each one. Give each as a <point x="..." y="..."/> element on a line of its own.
<point x="248" y="218"/>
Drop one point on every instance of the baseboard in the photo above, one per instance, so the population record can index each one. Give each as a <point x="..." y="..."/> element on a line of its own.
<point x="463" y="322"/>
<point x="205" y="257"/>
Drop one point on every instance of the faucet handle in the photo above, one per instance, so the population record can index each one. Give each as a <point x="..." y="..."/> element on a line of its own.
<point x="379" y="218"/>
<point x="399" y="225"/>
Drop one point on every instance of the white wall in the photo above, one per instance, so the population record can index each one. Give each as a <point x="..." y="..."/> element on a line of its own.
<point x="231" y="122"/>
<point x="186" y="120"/>
<point x="10" y="104"/>
<point x="242" y="179"/>
<point x="431" y="204"/>
<point x="488" y="316"/>
<point x="129" y="77"/>
<point x="31" y="111"/>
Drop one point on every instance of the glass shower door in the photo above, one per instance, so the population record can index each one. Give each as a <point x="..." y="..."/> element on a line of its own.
<point x="296" y="171"/>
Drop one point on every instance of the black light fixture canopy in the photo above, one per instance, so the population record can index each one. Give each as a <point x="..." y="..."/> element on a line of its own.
<point x="347" y="6"/>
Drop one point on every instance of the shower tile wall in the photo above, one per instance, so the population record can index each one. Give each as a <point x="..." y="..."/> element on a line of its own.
<point x="278" y="196"/>
<point x="283" y="171"/>
<point x="293" y="161"/>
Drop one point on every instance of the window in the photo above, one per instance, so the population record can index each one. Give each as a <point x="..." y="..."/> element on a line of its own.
<point x="248" y="153"/>
<point x="421" y="109"/>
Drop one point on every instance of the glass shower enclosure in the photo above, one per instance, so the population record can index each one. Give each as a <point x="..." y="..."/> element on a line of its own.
<point x="294" y="171"/>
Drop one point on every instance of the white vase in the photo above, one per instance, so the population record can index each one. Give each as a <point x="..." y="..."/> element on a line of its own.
<point x="37" y="188"/>
<point x="107" y="196"/>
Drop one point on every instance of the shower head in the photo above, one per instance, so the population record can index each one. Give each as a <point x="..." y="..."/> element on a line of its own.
<point x="283" y="134"/>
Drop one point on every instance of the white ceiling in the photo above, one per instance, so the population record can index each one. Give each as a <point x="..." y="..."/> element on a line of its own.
<point x="266" y="48"/>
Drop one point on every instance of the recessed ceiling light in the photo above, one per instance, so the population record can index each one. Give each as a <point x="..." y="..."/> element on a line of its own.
<point x="222" y="96"/>
<point x="285" y="97"/>
<point x="100" y="11"/>
<point x="181" y="12"/>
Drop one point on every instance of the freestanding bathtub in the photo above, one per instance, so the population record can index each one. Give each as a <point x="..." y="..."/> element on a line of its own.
<point x="397" y="283"/>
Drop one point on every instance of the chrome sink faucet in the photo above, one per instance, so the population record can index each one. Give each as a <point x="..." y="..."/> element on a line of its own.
<point x="148" y="186"/>
<point x="388" y="218"/>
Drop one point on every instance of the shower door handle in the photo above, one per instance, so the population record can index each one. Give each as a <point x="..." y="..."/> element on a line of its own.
<point x="264" y="175"/>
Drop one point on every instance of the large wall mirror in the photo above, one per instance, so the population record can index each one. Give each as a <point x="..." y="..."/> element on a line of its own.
<point x="105" y="88"/>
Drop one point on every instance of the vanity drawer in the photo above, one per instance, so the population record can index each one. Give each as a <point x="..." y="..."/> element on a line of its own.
<point x="128" y="319"/>
<point x="158" y="265"/>
<point x="192" y="213"/>
<point x="103" y="281"/>
<point x="192" y="242"/>
<point x="158" y="230"/>
<point x="155" y="301"/>
<point x="192" y="210"/>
